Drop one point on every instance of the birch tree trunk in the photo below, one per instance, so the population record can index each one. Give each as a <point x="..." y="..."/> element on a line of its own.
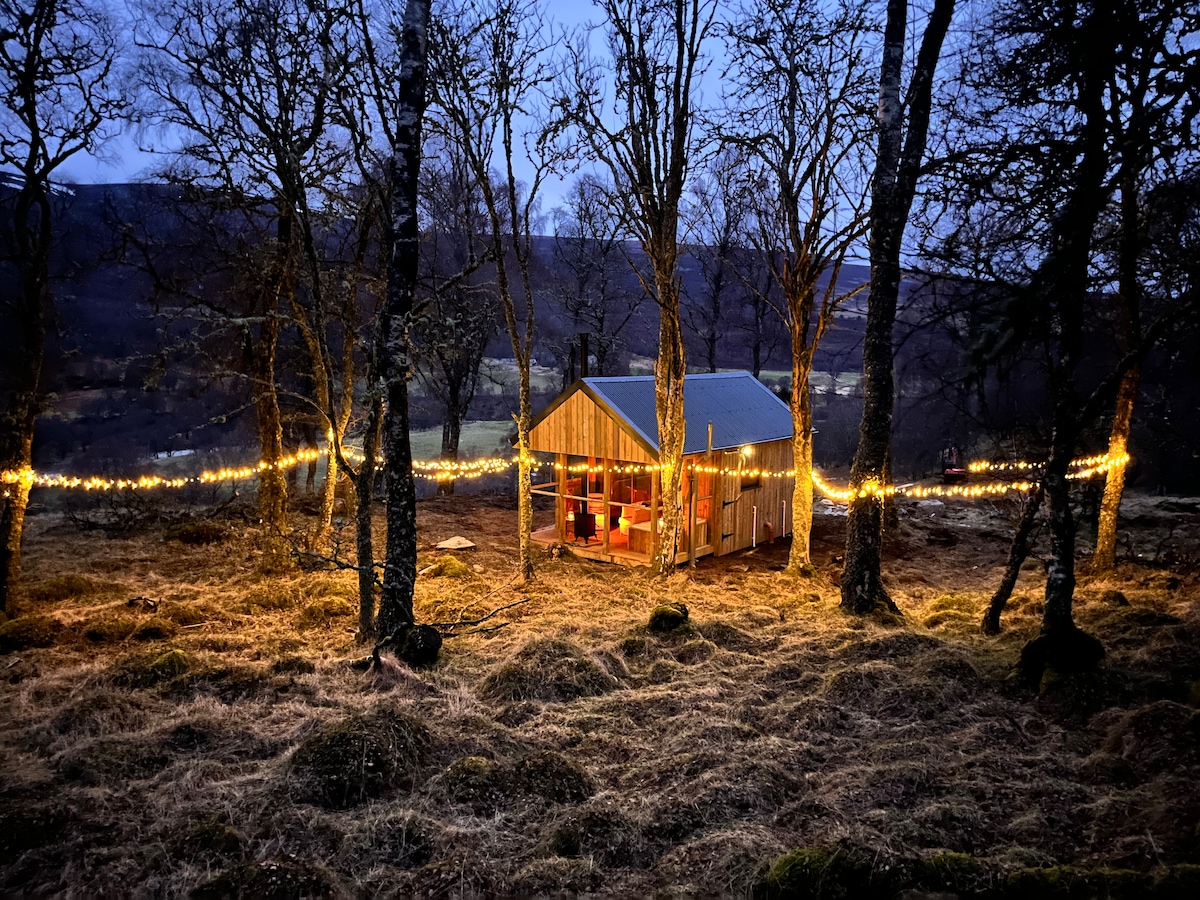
<point x="1105" y="557"/>
<point x="896" y="168"/>
<point x="395" y="347"/>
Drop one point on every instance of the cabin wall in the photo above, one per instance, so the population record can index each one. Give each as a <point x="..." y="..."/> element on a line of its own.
<point x="579" y="427"/>
<point x="738" y="496"/>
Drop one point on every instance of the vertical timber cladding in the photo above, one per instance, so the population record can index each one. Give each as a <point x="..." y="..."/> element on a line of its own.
<point x="740" y="496"/>
<point x="579" y="426"/>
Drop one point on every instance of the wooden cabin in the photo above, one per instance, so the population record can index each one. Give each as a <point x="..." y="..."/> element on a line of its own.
<point x="603" y="435"/>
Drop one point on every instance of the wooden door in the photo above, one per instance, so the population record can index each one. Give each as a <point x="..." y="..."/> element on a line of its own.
<point x="729" y="495"/>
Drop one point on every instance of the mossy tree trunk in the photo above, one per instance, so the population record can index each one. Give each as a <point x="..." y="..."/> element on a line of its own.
<point x="262" y="351"/>
<point x="451" y="433"/>
<point x="364" y="486"/>
<point x="800" y="406"/>
<point x="1105" y="558"/>
<point x="1018" y="552"/>
<point x="669" y="371"/>
<point x="1129" y="248"/>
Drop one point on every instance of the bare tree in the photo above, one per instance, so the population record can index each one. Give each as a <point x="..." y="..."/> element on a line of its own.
<point x="58" y="96"/>
<point x="1149" y="111"/>
<point x="592" y="269"/>
<point x="898" y="162"/>
<point x="252" y="86"/>
<point x="647" y="144"/>
<point x="717" y="211"/>
<point x="459" y="317"/>
<point x="488" y="66"/>
<point x="800" y="75"/>
<point x="1076" y="134"/>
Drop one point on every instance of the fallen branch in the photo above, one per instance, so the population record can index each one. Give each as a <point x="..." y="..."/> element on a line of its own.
<point x="487" y="630"/>
<point x="452" y="625"/>
<point x="478" y="600"/>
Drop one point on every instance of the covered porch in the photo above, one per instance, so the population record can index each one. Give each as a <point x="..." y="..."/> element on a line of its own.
<point x="610" y="509"/>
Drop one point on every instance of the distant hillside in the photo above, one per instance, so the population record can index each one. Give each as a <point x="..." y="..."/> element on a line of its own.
<point x="124" y="386"/>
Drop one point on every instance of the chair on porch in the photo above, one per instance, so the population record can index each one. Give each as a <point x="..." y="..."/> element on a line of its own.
<point x="585" y="526"/>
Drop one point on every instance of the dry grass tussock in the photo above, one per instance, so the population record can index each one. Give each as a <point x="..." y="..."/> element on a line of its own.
<point x="184" y="717"/>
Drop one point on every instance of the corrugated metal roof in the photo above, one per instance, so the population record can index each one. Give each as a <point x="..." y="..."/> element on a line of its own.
<point x="741" y="408"/>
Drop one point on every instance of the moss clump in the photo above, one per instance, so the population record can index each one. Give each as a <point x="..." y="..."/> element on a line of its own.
<point x="321" y="613"/>
<point x="668" y="617"/>
<point x="29" y="631"/>
<point x="110" y="629"/>
<point x="956" y="873"/>
<point x="553" y="670"/>
<point x="292" y="664"/>
<point x="154" y="629"/>
<point x="448" y="566"/>
<point x="635" y="645"/>
<point x="954" y="603"/>
<point x="1114" y="598"/>
<point x="198" y="531"/>
<point x="552" y="777"/>
<point x="360" y="757"/>
<point x="606" y="835"/>
<point x="210" y="837"/>
<point x="61" y="587"/>
<point x="475" y="780"/>
<point x="693" y="652"/>
<point x="395" y="839"/>
<point x="1066" y="650"/>
<point x="816" y="873"/>
<point x="149" y="669"/>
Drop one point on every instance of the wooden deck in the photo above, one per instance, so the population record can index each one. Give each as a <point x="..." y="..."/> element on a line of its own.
<point x="618" y="550"/>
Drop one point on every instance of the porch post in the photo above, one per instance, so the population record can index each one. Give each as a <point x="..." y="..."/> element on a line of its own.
<point x="654" y="476"/>
<point x="560" y="502"/>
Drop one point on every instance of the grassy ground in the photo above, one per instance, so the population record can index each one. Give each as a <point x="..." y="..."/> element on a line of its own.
<point x="186" y="718"/>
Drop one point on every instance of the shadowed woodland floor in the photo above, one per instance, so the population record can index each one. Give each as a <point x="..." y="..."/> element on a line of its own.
<point x="185" y="718"/>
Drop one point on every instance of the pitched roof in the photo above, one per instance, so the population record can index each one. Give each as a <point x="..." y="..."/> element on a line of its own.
<point x="741" y="408"/>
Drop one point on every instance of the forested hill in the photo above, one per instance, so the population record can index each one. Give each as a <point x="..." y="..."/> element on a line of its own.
<point x="142" y="358"/>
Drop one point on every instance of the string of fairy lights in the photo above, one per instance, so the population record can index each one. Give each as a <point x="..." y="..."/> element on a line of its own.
<point x="446" y="470"/>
